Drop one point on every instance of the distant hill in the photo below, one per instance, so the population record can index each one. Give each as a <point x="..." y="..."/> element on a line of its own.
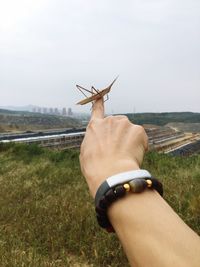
<point x="19" y="108"/>
<point x="164" y="118"/>
<point x="24" y="120"/>
<point x="16" y="112"/>
<point x="185" y="127"/>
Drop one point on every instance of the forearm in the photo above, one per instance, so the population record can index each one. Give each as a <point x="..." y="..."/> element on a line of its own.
<point x="152" y="234"/>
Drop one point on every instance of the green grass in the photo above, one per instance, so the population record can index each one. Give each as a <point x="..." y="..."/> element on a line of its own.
<point x="47" y="216"/>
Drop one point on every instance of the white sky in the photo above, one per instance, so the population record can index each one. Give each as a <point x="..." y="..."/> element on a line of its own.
<point x="49" y="46"/>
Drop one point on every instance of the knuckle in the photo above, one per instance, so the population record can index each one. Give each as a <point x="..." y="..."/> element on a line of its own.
<point x="143" y="136"/>
<point x="90" y="124"/>
<point x="140" y="132"/>
<point x="125" y="118"/>
<point x="121" y="117"/>
<point x="140" y="129"/>
<point x="146" y="141"/>
<point x="110" y="117"/>
<point x="93" y="123"/>
<point x="125" y="123"/>
<point x="146" y="137"/>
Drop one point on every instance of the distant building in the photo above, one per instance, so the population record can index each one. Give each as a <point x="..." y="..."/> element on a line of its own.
<point x="34" y="110"/>
<point x="56" y="111"/>
<point x="39" y="110"/>
<point x="69" y="113"/>
<point x="51" y="110"/>
<point x="44" y="110"/>
<point x="64" y="112"/>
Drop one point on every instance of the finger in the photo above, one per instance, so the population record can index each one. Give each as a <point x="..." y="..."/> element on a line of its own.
<point x="121" y="117"/>
<point x="98" y="109"/>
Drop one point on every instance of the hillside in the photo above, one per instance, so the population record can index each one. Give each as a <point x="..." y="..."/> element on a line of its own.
<point x="164" y="118"/>
<point x="24" y="121"/>
<point x="185" y="127"/>
<point x="47" y="215"/>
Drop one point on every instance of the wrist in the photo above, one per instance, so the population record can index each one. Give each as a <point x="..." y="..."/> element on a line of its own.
<point x="110" y="169"/>
<point x="120" y="211"/>
<point x="117" y="186"/>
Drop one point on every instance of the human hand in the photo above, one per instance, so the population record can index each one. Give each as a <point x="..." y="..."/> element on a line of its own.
<point x="111" y="145"/>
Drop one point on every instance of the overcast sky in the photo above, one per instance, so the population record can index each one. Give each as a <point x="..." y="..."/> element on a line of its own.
<point x="49" y="46"/>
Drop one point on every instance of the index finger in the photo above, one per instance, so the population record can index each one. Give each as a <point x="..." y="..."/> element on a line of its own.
<point x="98" y="109"/>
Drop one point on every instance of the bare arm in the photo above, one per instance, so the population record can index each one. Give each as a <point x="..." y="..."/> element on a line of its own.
<point x="151" y="233"/>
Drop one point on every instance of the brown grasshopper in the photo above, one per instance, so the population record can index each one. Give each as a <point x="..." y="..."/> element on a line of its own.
<point x="95" y="94"/>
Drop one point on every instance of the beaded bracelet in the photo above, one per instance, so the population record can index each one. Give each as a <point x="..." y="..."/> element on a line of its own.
<point x="137" y="185"/>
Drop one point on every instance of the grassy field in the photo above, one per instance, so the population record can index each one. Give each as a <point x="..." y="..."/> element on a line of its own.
<point x="47" y="216"/>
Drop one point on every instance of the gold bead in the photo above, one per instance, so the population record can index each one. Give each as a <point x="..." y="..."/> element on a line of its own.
<point x="149" y="183"/>
<point x="127" y="187"/>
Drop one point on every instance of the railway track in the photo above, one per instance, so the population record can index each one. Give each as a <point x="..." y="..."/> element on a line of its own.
<point x="29" y="134"/>
<point x="166" y="140"/>
<point x="69" y="138"/>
